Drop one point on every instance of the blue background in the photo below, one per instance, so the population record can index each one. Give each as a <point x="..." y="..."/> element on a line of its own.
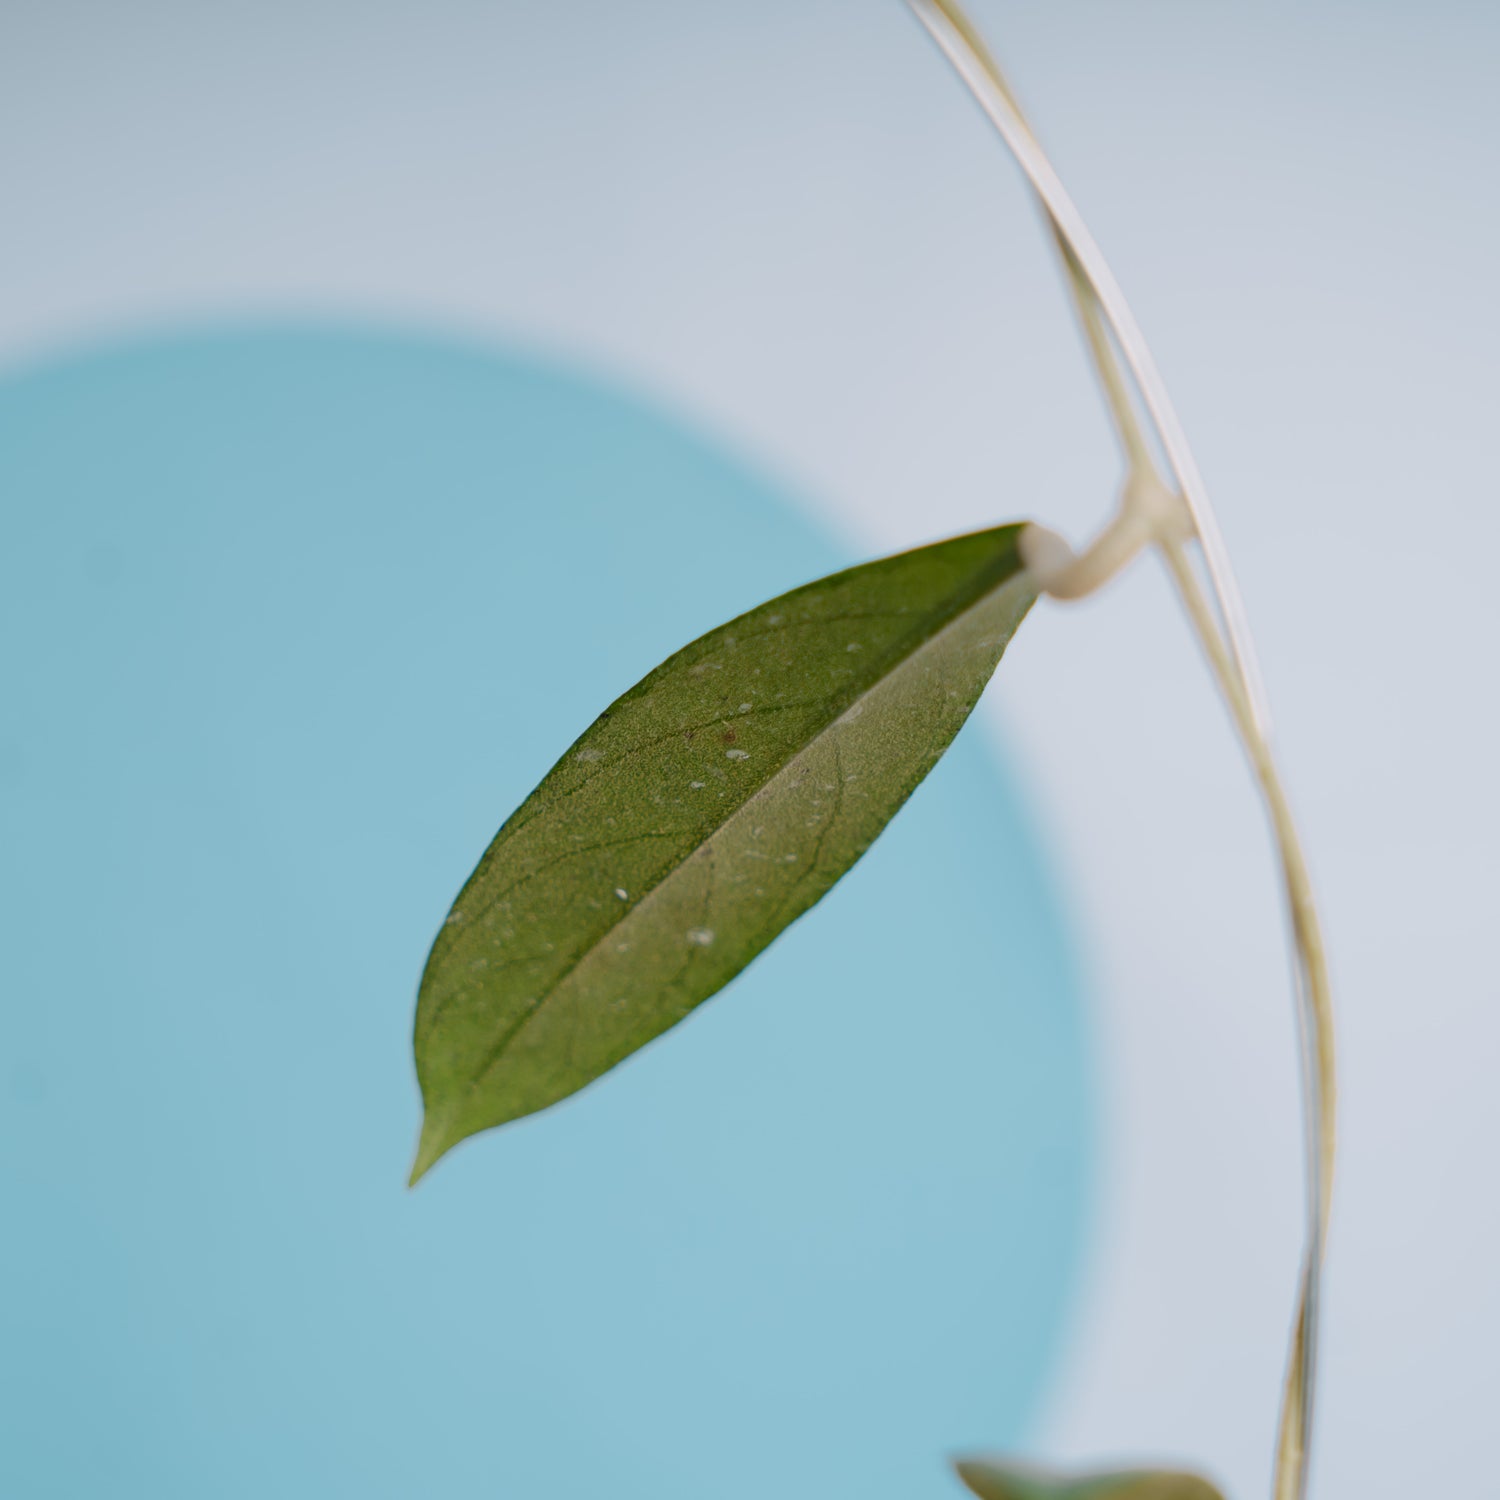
<point x="290" y="619"/>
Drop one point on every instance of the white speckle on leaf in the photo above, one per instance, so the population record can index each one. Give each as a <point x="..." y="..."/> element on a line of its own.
<point x="774" y="619"/>
<point x="700" y="937"/>
<point x="737" y="754"/>
<point x="622" y="893"/>
<point x="586" y="754"/>
<point x="697" y="786"/>
<point x="789" y="859"/>
<point x="744" y="708"/>
<point x="453" y="916"/>
<point x="854" y="646"/>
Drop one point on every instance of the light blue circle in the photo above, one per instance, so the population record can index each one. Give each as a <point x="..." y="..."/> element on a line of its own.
<point x="290" y="619"/>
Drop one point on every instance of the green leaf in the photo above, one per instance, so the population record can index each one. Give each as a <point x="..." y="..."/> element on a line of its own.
<point x="997" y="1481"/>
<point x="700" y="814"/>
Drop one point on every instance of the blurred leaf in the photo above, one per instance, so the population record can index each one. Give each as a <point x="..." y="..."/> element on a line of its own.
<point x="998" y="1481"/>
<point x="699" y="815"/>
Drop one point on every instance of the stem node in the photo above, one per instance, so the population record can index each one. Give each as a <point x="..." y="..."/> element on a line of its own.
<point x="1148" y="512"/>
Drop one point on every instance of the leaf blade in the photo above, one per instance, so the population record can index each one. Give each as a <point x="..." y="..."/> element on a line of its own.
<point x="994" y="1480"/>
<point x="706" y="809"/>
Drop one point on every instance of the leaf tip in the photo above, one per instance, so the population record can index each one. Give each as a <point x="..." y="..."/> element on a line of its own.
<point x="984" y="1478"/>
<point x="436" y="1141"/>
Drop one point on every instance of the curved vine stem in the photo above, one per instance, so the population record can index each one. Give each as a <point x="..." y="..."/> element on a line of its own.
<point x="1170" y="516"/>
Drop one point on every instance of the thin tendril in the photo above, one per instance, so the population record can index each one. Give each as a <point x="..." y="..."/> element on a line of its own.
<point x="1224" y="636"/>
<point x="956" y="37"/>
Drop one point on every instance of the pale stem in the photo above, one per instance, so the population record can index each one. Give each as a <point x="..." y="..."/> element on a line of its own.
<point x="948" y="26"/>
<point x="1225" y="640"/>
<point x="1315" y="1012"/>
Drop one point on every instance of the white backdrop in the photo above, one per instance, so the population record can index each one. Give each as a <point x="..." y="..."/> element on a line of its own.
<point x="786" y="222"/>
